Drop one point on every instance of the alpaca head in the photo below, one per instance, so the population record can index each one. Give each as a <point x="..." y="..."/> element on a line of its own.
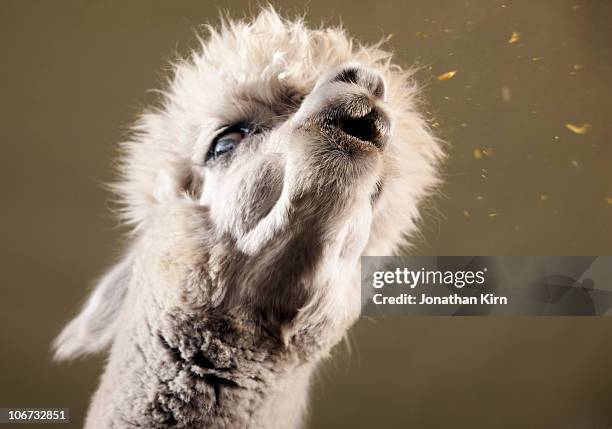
<point x="279" y="155"/>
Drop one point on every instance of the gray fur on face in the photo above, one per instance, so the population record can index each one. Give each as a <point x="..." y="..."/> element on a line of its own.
<point x="243" y="271"/>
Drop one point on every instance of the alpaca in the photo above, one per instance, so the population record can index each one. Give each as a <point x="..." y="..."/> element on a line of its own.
<point x="279" y="156"/>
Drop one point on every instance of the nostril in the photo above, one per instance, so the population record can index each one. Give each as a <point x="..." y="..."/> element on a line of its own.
<point x="363" y="76"/>
<point x="364" y="128"/>
<point x="348" y="75"/>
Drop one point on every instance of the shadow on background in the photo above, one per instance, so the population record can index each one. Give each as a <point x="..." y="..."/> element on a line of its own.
<point x="519" y="182"/>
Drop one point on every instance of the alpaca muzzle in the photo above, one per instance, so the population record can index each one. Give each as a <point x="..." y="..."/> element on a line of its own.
<point x="345" y="106"/>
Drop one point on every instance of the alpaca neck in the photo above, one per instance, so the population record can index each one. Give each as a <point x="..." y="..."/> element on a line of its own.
<point x="188" y="372"/>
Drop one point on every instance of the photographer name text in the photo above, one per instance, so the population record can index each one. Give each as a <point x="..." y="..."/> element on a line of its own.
<point x="423" y="299"/>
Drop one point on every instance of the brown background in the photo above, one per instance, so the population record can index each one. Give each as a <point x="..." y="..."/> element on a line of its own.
<point x="74" y="74"/>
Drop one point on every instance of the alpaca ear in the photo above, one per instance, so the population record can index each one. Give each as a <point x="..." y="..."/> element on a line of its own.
<point x="95" y="326"/>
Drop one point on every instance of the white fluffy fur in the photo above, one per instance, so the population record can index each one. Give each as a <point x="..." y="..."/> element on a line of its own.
<point x="261" y="54"/>
<point x="189" y="218"/>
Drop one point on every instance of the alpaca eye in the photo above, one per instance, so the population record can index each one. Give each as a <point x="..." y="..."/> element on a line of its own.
<point x="227" y="143"/>
<point x="228" y="140"/>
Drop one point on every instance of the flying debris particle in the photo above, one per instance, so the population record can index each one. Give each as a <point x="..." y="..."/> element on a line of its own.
<point x="463" y="124"/>
<point x="578" y="129"/>
<point x="575" y="163"/>
<point x="466" y="214"/>
<point x="575" y="68"/>
<point x="435" y="125"/>
<point x="483" y="173"/>
<point x="479" y="197"/>
<point x="515" y="37"/>
<point x="481" y="152"/>
<point x="505" y="93"/>
<point x="609" y="201"/>
<point x="421" y="34"/>
<point x="556" y="137"/>
<point x="544" y="197"/>
<point x="537" y="59"/>
<point x="487" y="151"/>
<point x="492" y="214"/>
<point x="518" y="228"/>
<point x="448" y="75"/>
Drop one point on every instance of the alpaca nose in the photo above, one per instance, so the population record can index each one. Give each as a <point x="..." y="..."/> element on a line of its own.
<point x="346" y="108"/>
<point x="357" y="115"/>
